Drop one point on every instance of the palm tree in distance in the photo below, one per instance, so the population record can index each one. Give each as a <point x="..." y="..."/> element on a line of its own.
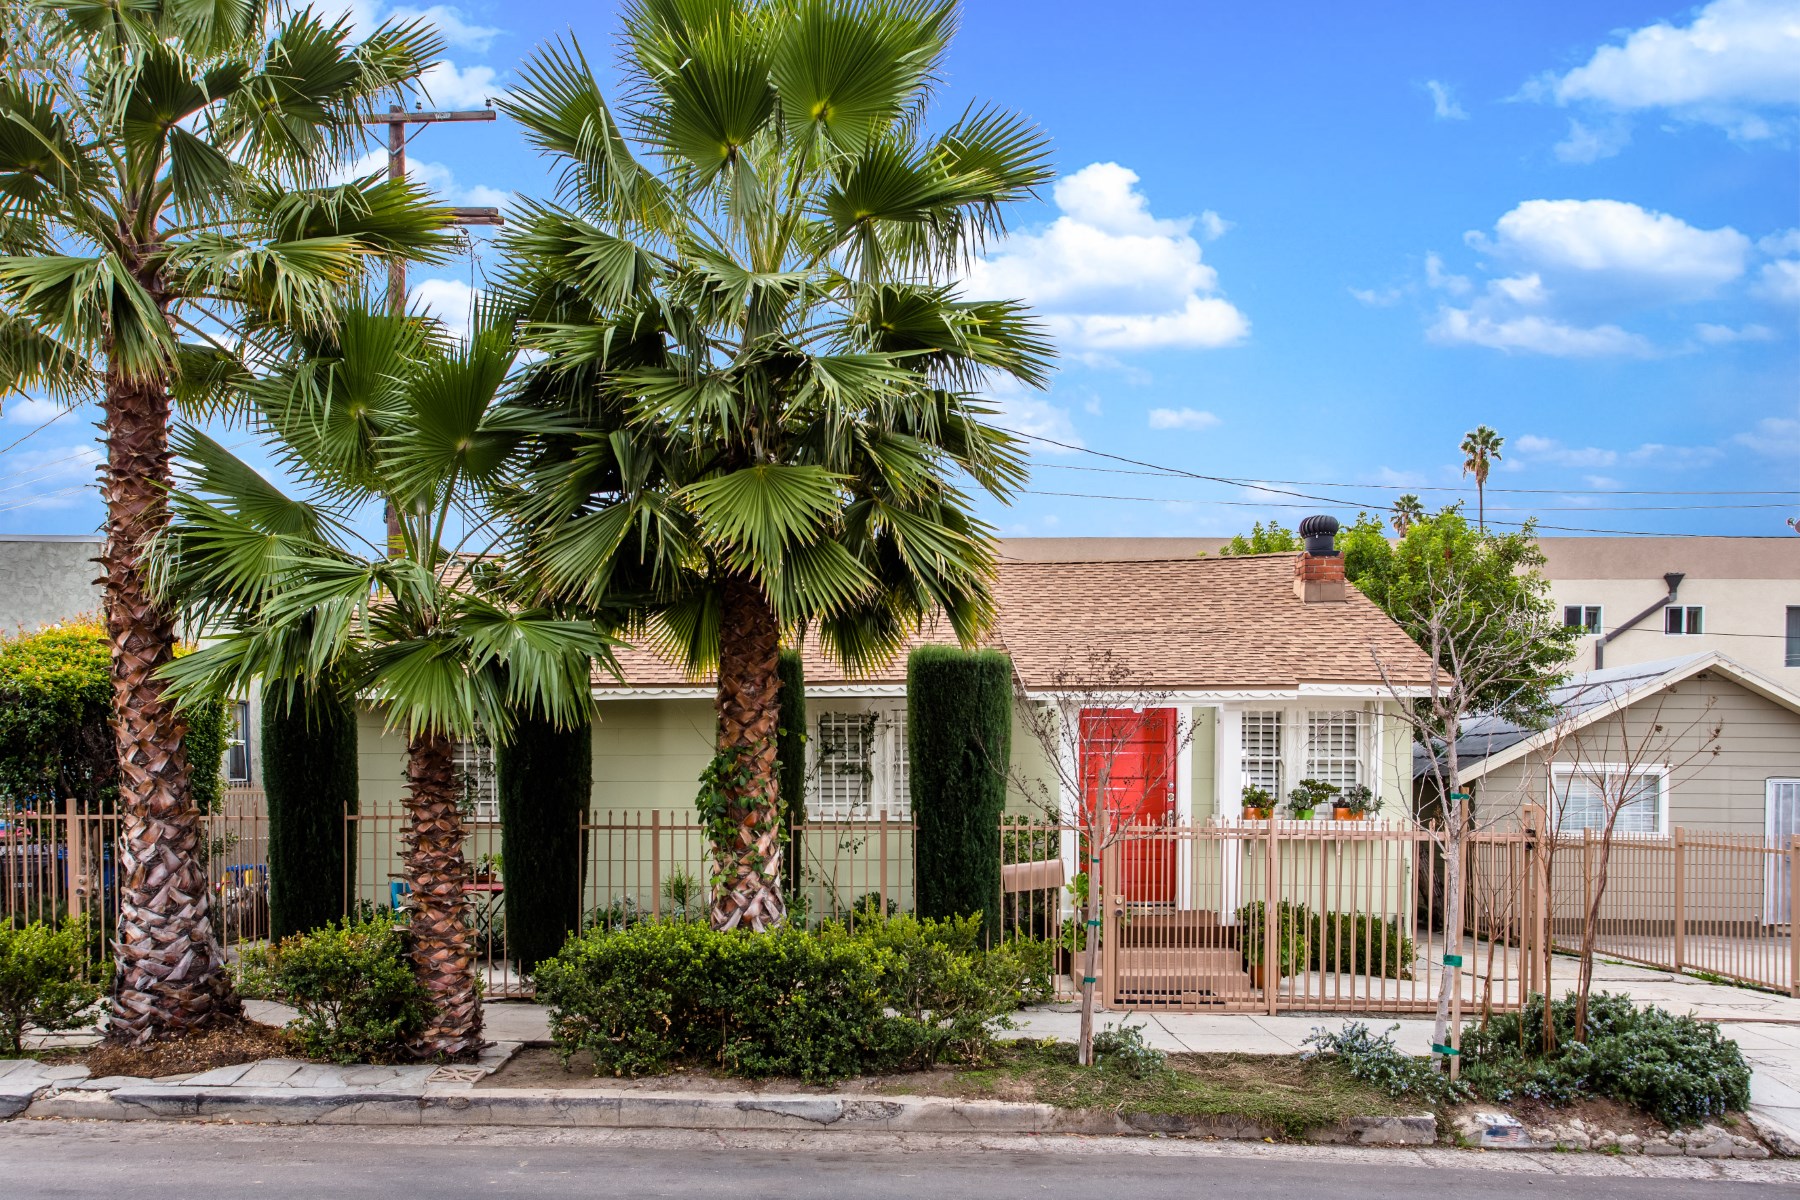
<point x="1408" y="510"/>
<point x="1481" y="450"/>
<point x="770" y="382"/>
<point x="165" y="217"/>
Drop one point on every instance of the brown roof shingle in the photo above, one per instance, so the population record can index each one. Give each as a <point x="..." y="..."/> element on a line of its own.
<point x="1181" y="624"/>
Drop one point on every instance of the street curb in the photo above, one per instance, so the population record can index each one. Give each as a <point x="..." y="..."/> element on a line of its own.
<point x="599" y="1109"/>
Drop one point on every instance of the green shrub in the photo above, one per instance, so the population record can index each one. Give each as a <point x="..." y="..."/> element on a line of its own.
<point x="959" y="744"/>
<point x="208" y="729"/>
<point x="821" y="1004"/>
<point x="310" y="781"/>
<point x="1123" y="1046"/>
<point x="45" y="979"/>
<point x="358" y="998"/>
<point x="1679" y="1070"/>
<point x="1374" y="1059"/>
<point x="253" y="973"/>
<point x="545" y="779"/>
<point x="1348" y="942"/>
<point x="1290" y="934"/>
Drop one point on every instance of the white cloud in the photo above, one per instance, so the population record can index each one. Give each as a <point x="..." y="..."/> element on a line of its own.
<point x="31" y="410"/>
<point x="433" y="175"/>
<point x="451" y="25"/>
<point x="1776" y="437"/>
<point x="451" y="86"/>
<point x="1438" y="279"/>
<point x="1212" y="225"/>
<point x="53" y="477"/>
<point x="1192" y="419"/>
<point x="1780" y="281"/>
<point x="1631" y="245"/>
<point x="449" y="300"/>
<point x="1443" y="102"/>
<point x="1110" y="275"/>
<point x="1725" y="335"/>
<point x="1785" y="242"/>
<point x="1533" y="448"/>
<point x="1382" y="298"/>
<point x="1591" y="143"/>
<point x="1030" y="411"/>
<point x="1734" y="62"/>
<point x="1534" y="335"/>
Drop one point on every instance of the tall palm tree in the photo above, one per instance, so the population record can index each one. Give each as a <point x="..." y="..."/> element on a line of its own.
<point x="1408" y="511"/>
<point x="380" y="413"/>
<point x="164" y="215"/>
<point x="1481" y="450"/>
<point x="744" y="294"/>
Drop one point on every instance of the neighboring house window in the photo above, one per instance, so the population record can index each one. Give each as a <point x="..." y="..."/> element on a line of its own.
<point x="1334" y="752"/>
<point x="1677" y="619"/>
<point x="1793" y="635"/>
<point x="1262" y="752"/>
<point x="237" y="744"/>
<point x="860" y="767"/>
<point x="1582" y="797"/>
<point x="1582" y="616"/>
<point x="476" y="775"/>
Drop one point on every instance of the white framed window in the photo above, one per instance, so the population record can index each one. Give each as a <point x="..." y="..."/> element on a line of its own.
<point x="1262" y="765"/>
<point x="1679" y="619"/>
<point x="1334" y="747"/>
<point x="1582" y="616"/>
<point x="476" y="776"/>
<point x="859" y="766"/>
<point x="237" y="743"/>
<point x="1583" y="795"/>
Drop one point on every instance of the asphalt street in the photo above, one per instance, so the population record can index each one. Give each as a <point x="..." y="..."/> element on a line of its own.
<point x="70" y="1159"/>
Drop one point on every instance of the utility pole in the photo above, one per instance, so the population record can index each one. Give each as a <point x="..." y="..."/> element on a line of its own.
<point x="396" y="118"/>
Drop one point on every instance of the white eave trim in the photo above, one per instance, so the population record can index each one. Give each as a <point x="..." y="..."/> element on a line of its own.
<point x="705" y="692"/>
<point x="1306" y="691"/>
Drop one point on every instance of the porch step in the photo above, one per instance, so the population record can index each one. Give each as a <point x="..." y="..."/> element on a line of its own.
<point x="1181" y="976"/>
<point x="1135" y="959"/>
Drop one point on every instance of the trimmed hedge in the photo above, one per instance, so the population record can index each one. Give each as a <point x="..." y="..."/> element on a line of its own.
<point x="309" y="780"/>
<point x="545" y="777"/>
<point x="790" y="752"/>
<point x="959" y="743"/>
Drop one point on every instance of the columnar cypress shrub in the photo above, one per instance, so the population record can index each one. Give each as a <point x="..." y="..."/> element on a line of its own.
<point x="790" y="751"/>
<point x="309" y="780"/>
<point x="545" y="776"/>
<point x="959" y="740"/>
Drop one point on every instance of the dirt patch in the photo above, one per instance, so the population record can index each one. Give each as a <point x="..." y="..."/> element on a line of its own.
<point x="540" y="1067"/>
<point x="221" y="1046"/>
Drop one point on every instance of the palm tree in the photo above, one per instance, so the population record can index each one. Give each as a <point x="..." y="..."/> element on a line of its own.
<point x="380" y="413"/>
<point x="1481" y="450"/>
<point x="1408" y="511"/>
<point x="164" y="215"/>
<point x="743" y="295"/>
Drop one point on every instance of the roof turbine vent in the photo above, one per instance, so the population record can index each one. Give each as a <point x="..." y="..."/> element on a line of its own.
<point x="1319" y="533"/>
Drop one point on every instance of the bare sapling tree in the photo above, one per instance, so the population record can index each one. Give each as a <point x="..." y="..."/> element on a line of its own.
<point x="1473" y="644"/>
<point x="1625" y="763"/>
<point x="1093" y="721"/>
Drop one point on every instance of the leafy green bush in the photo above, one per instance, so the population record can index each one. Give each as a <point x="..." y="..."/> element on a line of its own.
<point x="815" y="1004"/>
<point x="1290" y="934"/>
<point x="1679" y="1070"/>
<point x="1374" y="1059"/>
<point x="1123" y="1046"/>
<point x="46" y="979"/>
<point x="253" y="972"/>
<point x="1348" y="942"/>
<point x="358" y="998"/>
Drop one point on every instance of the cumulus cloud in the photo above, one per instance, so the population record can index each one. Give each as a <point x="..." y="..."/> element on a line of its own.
<point x="456" y="29"/>
<point x="1193" y="419"/>
<point x="1590" y="143"/>
<point x="1032" y="412"/>
<point x="1110" y="275"/>
<point x="1780" y="281"/>
<point x="1725" y="335"/>
<point x="433" y="175"/>
<point x="1735" y="65"/>
<point x="1567" y="271"/>
<point x="1377" y="297"/>
<point x="451" y="301"/>
<point x="51" y="477"/>
<point x="1443" y="102"/>
<point x="31" y="410"/>
<point x="1535" y="450"/>
<point x="1776" y="437"/>
<point x="451" y="86"/>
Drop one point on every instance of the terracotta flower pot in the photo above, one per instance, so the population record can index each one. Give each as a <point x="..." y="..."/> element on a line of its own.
<point x="1256" y="976"/>
<point x="1343" y="814"/>
<point x="1256" y="814"/>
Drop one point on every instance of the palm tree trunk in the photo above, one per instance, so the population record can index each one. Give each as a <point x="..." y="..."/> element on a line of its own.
<point x="748" y="891"/>
<point x="171" y="969"/>
<point x="443" y="944"/>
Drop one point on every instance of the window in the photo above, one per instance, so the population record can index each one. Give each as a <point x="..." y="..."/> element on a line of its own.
<point x="237" y="743"/>
<point x="1677" y="619"/>
<point x="475" y="774"/>
<point x="860" y="767"/>
<point x="1262" y="752"/>
<point x="1582" y="616"/>
<point x="1334" y="747"/>
<point x="1583" y="796"/>
<point x="1793" y="635"/>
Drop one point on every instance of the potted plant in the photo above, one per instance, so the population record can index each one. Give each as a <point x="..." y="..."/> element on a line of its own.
<point x="1257" y="803"/>
<point x="487" y="869"/>
<point x="1309" y="795"/>
<point x="1290" y="924"/>
<point x="1357" y="803"/>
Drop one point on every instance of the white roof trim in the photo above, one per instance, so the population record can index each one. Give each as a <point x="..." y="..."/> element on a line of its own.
<point x="895" y="690"/>
<point x="704" y="692"/>
<point x="1711" y="660"/>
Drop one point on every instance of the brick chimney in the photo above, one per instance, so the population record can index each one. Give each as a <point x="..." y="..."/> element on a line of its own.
<point x="1319" y="571"/>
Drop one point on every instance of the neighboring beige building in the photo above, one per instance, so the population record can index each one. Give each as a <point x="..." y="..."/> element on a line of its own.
<point x="1739" y="596"/>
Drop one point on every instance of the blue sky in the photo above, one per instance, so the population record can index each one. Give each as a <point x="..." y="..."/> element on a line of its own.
<point x="1318" y="242"/>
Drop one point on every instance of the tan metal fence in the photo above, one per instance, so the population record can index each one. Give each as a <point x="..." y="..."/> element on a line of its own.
<point x="1697" y="901"/>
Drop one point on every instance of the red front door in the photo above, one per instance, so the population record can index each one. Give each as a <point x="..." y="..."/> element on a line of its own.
<point x="1129" y="759"/>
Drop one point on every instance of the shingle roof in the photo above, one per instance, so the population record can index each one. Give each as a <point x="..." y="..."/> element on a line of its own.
<point x="1183" y="624"/>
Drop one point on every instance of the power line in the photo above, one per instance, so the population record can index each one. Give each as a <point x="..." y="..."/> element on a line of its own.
<point x="33" y="433"/>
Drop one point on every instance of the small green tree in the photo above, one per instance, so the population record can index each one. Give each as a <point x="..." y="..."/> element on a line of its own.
<point x="790" y="758"/>
<point x="44" y="979"/>
<point x="546" y="776"/>
<point x="1275" y="539"/>
<point x="309" y="780"/>
<point x="959" y="744"/>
